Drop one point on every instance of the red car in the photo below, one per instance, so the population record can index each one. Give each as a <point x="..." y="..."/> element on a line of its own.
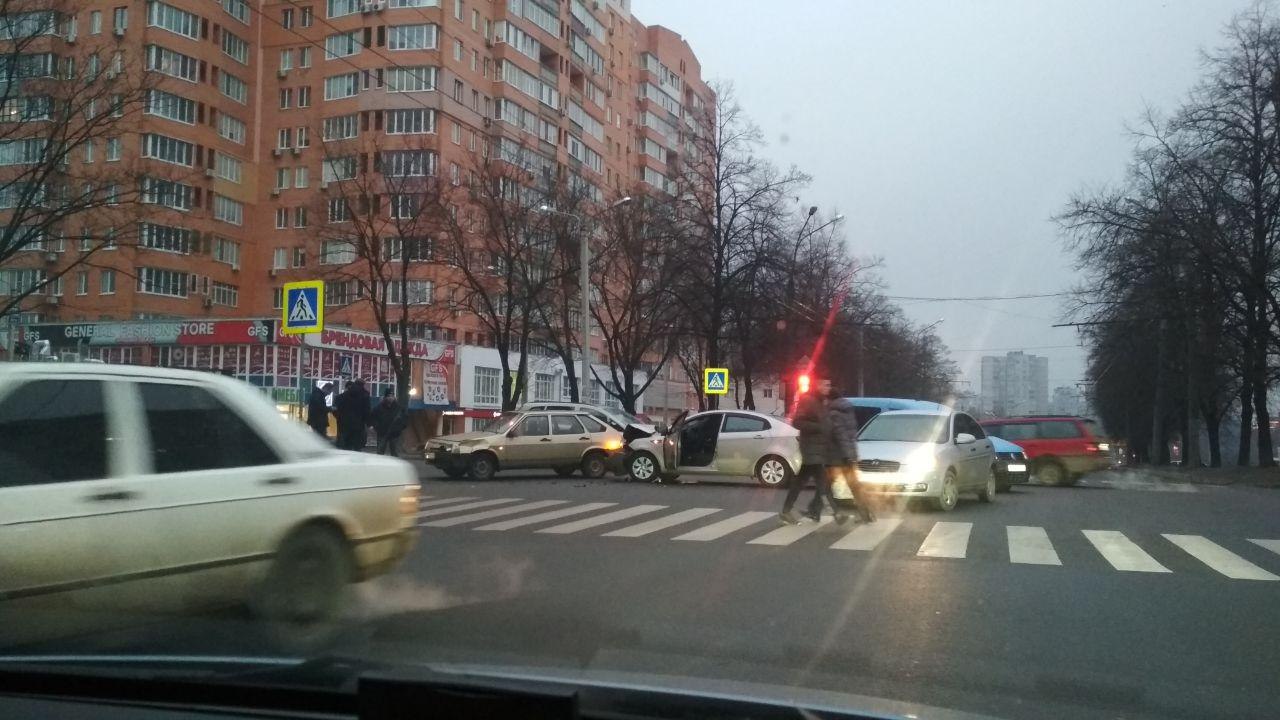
<point x="1061" y="448"/>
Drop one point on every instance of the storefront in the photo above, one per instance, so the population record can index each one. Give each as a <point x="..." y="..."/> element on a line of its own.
<point x="255" y="351"/>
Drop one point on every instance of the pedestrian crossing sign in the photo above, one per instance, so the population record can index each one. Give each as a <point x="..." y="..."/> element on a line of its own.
<point x="303" y="307"/>
<point x="715" y="381"/>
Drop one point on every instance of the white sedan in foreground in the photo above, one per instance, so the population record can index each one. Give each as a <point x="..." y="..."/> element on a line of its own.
<point x="718" y="442"/>
<point x="151" y="490"/>
<point x="933" y="454"/>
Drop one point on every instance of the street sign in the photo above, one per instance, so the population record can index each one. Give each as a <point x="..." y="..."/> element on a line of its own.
<point x="715" y="381"/>
<point x="344" y="367"/>
<point x="303" y="307"/>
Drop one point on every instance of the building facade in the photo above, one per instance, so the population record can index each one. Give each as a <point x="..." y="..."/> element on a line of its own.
<point x="1016" y="384"/>
<point x="255" y="109"/>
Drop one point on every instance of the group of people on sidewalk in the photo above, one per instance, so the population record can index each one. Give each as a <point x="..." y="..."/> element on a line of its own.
<point x="828" y="454"/>
<point x="354" y="413"/>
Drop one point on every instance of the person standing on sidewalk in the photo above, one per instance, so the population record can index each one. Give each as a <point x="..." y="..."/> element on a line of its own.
<point x="318" y="410"/>
<point x="818" y="452"/>
<point x="388" y="422"/>
<point x="844" y="426"/>
<point x="352" y="409"/>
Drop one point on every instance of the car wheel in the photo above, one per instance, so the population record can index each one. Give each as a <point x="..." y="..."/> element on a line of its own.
<point x="1051" y="472"/>
<point x="482" y="466"/>
<point x="950" y="495"/>
<point x="643" y="467"/>
<point x="565" y="470"/>
<point x="772" y="471"/>
<point x="988" y="492"/>
<point x="455" y="472"/>
<point x="307" y="586"/>
<point x="593" y="465"/>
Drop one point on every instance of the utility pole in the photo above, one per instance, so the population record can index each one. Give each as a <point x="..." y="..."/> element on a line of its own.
<point x="1158" y="450"/>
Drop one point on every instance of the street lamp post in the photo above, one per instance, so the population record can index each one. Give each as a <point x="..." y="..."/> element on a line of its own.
<point x="791" y="281"/>
<point x="584" y="273"/>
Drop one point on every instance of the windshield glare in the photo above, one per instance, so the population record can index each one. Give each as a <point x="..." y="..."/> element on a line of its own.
<point x="906" y="428"/>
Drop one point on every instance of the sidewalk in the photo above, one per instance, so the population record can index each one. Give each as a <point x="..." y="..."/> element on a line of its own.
<point x="1231" y="475"/>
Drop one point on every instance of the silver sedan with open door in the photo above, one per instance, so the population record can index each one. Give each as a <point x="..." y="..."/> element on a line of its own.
<point x="719" y="442"/>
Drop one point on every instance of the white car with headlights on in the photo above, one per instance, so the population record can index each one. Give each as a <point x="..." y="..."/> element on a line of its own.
<point x="929" y="454"/>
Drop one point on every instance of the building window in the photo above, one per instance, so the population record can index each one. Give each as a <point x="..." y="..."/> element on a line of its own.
<point x="95" y="22"/>
<point x="304" y="57"/>
<point x="173" y="64"/>
<point x="339" y="168"/>
<point x="235" y="47"/>
<point x="341" y="86"/>
<point x="300" y="216"/>
<point x="339" y="8"/>
<point x="224" y="294"/>
<point x="282" y="216"/>
<point x="408" y="163"/>
<point x="284" y="138"/>
<point x="337" y="252"/>
<point x="410" y="122"/>
<point x="411" y="79"/>
<point x="170" y="107"/>
<point x="338" y="210"/>
<point x="171" y="194"/>
<point x="299" y="257"/>
<point x="307" y="17"/>
<point x="338" y="293"/>
<point x="342" y="45"/>
<point x="542" y="386"/>
<point x="167" y="149"/>
<point x="228" y="210"/>
<point x="280" y="258"/>
<point x="404" y="206"/>
<point x="411" y="37"/>
<point x="238" y="9"/>
<point x="120" y="18"/>
<point x="304" y="96"/>
<point x="226" y="251"/>
<point x="342" y="127"/>
<point x="413" y="249"/>
<point x="157" y="281"/>
<point x="174" y="20"/>
<point x="455" y="134"/>
<point x="488" y="386"/>
<point x="282" y="182"/>
<point x="277" y="298"/>
<point x="304" y="136"/>
<point x="227" y="167"/>
<point x="231" y="128"/>
<point x="107" y="282"/>
<point x="415" y="292"/>
<point x="286" y="98"/>
<point x="82" y="283"/>
<point x="286" y="20"/>
<point x="232" y="86"/>
<point x="165" y="238"/>
<point x="300" y="178"/>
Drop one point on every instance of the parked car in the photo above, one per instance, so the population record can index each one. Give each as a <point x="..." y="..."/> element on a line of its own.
<point x="719" y="442"/>
<point x="1011" y="464"/>
<point x="615" y="418"/>
<point x="1060" y="448"/>
<point x="927" y="454"/>
<point x="164" y="490"/>
<point x="526" y="440"/>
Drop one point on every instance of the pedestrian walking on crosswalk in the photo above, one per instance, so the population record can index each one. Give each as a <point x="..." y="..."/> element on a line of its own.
<point x="818" y="453"/>
<point x="844" y="428"/>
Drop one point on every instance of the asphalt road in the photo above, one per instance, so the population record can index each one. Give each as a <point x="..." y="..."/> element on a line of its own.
<point x="1016" y="609"/>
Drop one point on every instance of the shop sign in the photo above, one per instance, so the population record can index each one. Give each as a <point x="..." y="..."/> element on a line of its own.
<point x="186" y="332"/>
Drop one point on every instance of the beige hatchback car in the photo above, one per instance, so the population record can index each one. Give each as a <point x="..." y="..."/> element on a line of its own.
<point x="525" y="440"/>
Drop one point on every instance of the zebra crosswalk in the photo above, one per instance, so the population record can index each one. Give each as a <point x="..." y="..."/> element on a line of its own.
<point x="935" y="540"/>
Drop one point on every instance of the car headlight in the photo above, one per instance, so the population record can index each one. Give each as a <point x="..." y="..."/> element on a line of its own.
<point x="1104" y="447"/>
<point x="612" y="445"/>
<point x="920" y="465"/>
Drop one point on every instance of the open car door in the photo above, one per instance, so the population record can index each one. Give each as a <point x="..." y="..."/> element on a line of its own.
<point x="671" y="444"/>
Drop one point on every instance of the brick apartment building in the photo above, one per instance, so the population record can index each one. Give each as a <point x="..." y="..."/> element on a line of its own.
<point x="247" y="98"/>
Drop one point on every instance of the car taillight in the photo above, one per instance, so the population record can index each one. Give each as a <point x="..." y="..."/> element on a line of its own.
<point x="1091" y="447"/>
<point x="409" y="499"/>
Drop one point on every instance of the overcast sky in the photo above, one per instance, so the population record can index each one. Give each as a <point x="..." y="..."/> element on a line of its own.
<point x="949" y="133"/>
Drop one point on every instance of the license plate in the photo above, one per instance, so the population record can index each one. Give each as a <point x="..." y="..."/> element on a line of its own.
<point x="1016" y="468"/>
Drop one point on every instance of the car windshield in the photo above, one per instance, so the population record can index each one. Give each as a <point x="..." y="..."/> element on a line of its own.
<point x="635" y="339"/>
<point x="905" y="428"/>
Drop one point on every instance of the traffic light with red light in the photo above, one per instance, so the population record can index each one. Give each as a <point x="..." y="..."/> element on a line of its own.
<point x="802" y="383"/>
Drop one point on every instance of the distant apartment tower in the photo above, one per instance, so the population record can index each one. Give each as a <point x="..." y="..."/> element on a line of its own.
<point x="1016" y="384"/>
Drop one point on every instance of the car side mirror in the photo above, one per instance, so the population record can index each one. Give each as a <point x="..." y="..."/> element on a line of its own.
<point x="965" y="439"/>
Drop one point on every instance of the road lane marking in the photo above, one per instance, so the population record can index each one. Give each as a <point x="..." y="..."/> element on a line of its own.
<point x="1121" y="552"/>
<point x="946" y="540"/>
<point x="1272" y="545"/>
<point x="605" y="519"/>
<point x="1031" y="546"/>
<point x="661" y="523"/>
<point x="788" y="534"/>
<point x="485" y="515"/>
<point x="1219" y="558"/>
<point x="445" y="501"/>
<point x="867" y="536"/>
<point x="718" y="530"/>
<point x="466" y="506"/>
<point x="543" y="517"/>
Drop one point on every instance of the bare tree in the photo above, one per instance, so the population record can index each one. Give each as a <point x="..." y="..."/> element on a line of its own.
<point x="635" y="306"/>
<point x="728" y="196"/>
<point x="377" y="238"/>
<point x="65" y="109"/>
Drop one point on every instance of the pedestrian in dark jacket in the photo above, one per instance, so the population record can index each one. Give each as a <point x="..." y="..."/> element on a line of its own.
<point x="818" y="452"/>
<point x="352" y="409"/>
<point x="318" y="410"/>
<point x="844" y="424"/>
<point x="387" y="420"/>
